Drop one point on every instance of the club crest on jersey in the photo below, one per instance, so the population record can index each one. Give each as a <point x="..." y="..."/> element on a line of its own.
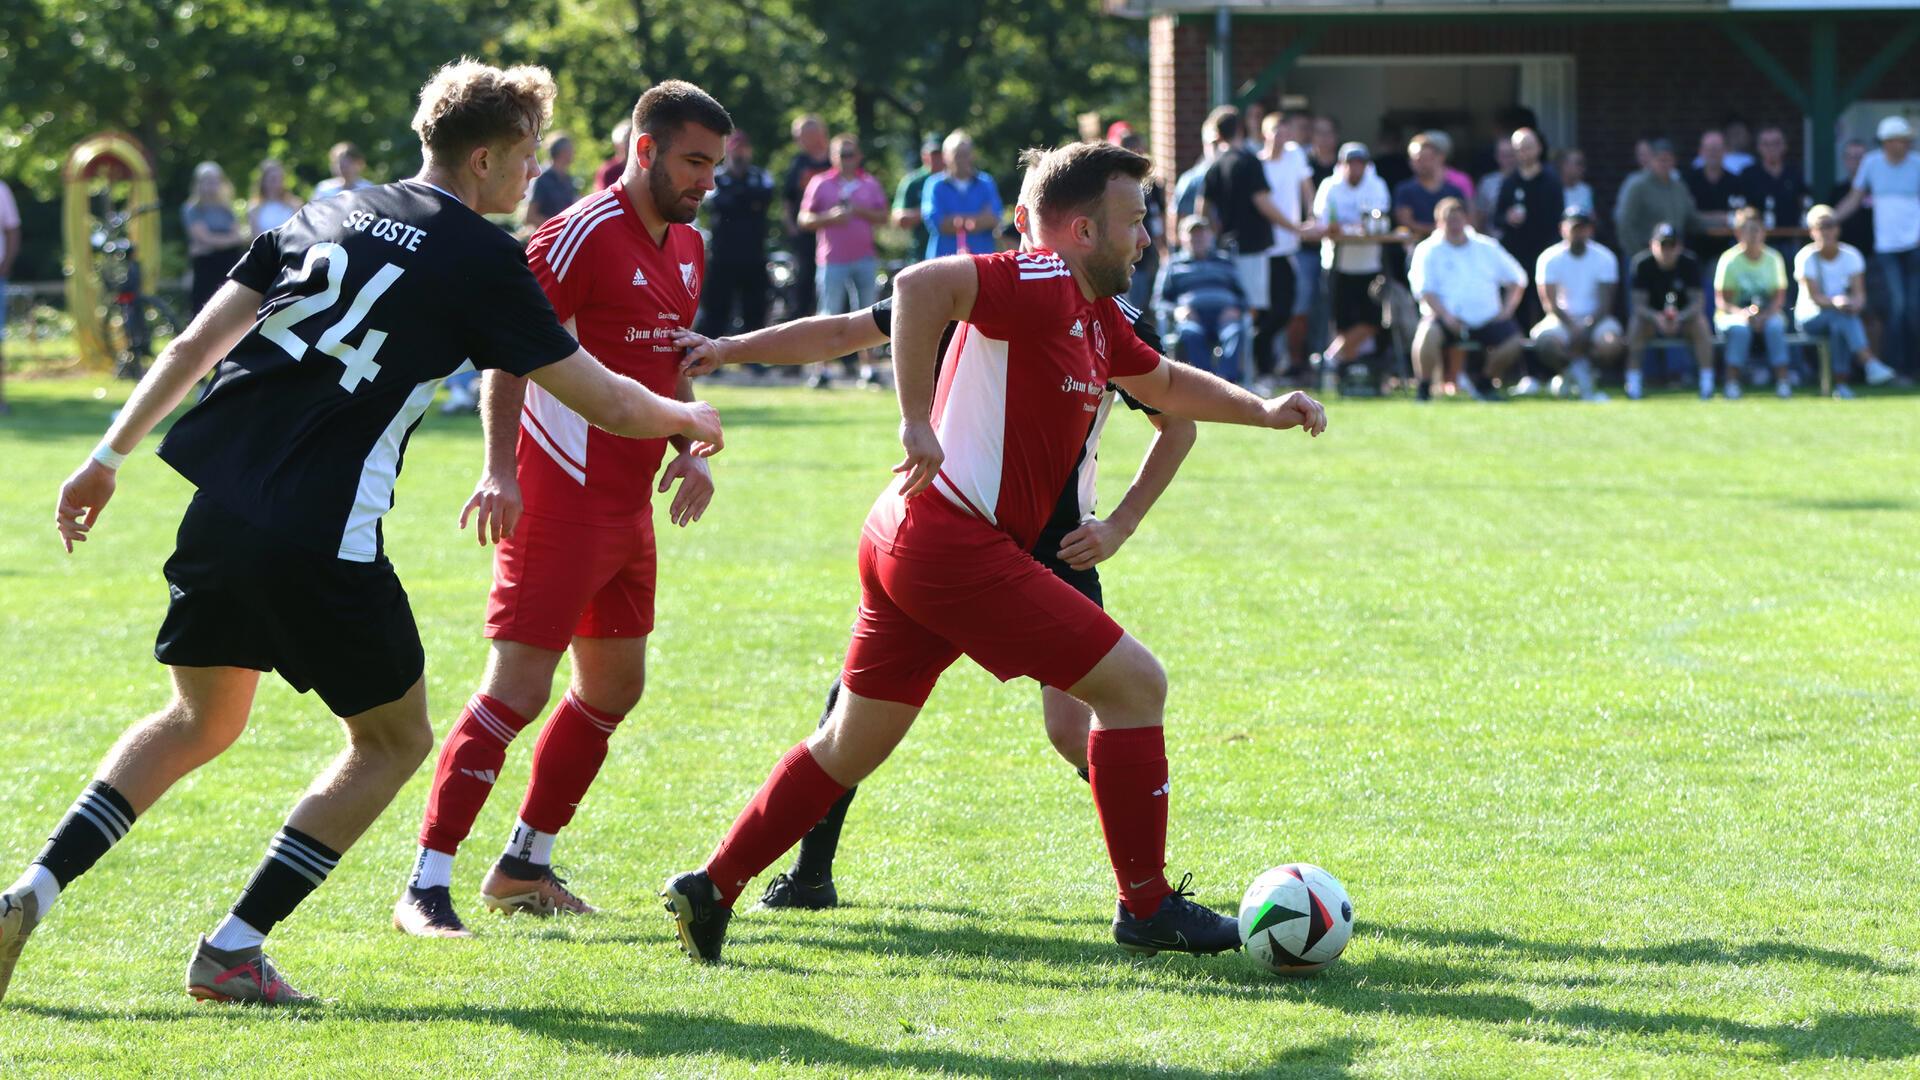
<point x="1079" y="329"/>
<point x="1099" y="340"/>
<point x="639" y="277"/>
<point x="687" y="278"/>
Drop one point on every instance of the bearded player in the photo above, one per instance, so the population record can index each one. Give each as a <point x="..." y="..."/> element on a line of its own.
<point x="945" y="568"/>
<point x="1071" y="546"/>
<point x="574" y="572"/>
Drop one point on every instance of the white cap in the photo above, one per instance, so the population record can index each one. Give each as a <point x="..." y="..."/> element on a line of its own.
<point x="1895" y="127"/>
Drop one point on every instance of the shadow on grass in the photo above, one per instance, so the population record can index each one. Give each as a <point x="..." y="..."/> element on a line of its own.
<point x="1858" y="505"/>
<point x="40" y="419"/>
<point x="1692" y="951"/>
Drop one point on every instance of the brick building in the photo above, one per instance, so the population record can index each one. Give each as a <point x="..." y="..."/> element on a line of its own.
<point x="1596" y="74"/>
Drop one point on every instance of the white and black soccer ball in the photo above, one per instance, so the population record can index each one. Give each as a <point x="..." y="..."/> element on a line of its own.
<point x="1295" y="919"/>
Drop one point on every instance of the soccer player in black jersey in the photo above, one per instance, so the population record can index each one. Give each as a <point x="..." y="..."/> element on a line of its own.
<point x="331" y="336"/>
<point x="1071" y="546"/>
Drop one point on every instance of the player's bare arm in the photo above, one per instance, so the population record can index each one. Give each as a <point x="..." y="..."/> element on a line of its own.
<point x="696" y="479"/>
<point x="1099" y="538"/>
<point x="802" y="341"/>
<point x="496" y="503"/>
<point x="1184" y="390"/>
<point x="185" y="361"/>
<point x="926" y="297"/>
<point x="615" y="403"/>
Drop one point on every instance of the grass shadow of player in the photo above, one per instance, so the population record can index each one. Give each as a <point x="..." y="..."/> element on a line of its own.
<point x="1690" y="951"/>
<point x="38" y="419"/>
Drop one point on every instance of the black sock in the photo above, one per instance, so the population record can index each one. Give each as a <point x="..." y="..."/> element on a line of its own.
<point x="100" y="817"/>
<point x="521" y="869"/>
<point x="1083" y="773"/>
<point x="295" y="865"/>
<point x="814" y="864"/>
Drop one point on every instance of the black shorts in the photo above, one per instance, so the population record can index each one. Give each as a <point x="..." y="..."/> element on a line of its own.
<point x="1086" y="582"/>
<point x="243" y="597"/>
<point x="1491" y="336"/>
<point x="1280" y="287"/>
<point x="1353" y="302"/>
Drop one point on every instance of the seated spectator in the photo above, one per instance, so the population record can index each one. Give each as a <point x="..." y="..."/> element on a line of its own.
<point x="1414" y="200"/>
<point x="215" y="234"/>
<point x="1833" y="295"/>
<point x="1667" y="303"/>
<point x="1201" y="289"/>
<point x="1571" y="165"/>
<point x="273" y="203"/>
<point x="1343" y="205"/>
<point x="347" y="162"/>
<point x="1750" y="289"/>
<point x="1576" y="279"/>
<point x="1657" y="195"/>
<point x="1469" y="287"/>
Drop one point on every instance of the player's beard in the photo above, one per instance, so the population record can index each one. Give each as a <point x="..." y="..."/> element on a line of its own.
<point x="668" y="201"/>
<point x="1111" y="273"/>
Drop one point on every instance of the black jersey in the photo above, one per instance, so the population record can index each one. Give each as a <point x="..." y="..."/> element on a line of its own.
<point x="1076" y="501"/>
<point x="372" y="298"/>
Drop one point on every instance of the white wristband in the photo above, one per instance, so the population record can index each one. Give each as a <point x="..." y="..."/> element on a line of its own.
<point x="106" y="455"/>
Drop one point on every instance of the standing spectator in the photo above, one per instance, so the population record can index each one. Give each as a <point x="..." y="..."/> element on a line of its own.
<point x="809" y="160"/>
<point x="841" y="208"/>
<point x="1529" y="209"/>
<point x="737" y="242"/>
<point x="906" y="197"/>
<point x="215" y="234"/>
<point x="1717" y="194"/>
<point x="1570" y="165"/>
<point x="1750" y="293"/>
<point x="1773" y="188"/>
<point x="1414" y="200"/>
<point x="1667" y="302"/>
<point x="9" y="250"/>
<point x="1891" y="175"/>
<point x="1577" y="279"/>
<point x="347" y="162"/>
<point x="1186" y="187"/>
<point x="1148" y="268"/>
<point x="608" y="174"/>
<point x="1469" y="288"/>
<point x="1833" y="293"/>
<point x="1487" y="192"/>
<point x="1858" y="228"/>
<point x="1442" y="144"/>
<point x="1324" y="154"/>
<point x="1642" y="164"/>
<point x="1200" y="288"/>
<point x="1652" y="197"/>
<point x="272" y="202"/>
<point x="1290" y="183"/>
<point x="961" y="206"/>
<point x="1237" y="200"/>
<point x="1736" y="140"/>
<point x="1344" y="204"/>
<point x="554" y="189"/>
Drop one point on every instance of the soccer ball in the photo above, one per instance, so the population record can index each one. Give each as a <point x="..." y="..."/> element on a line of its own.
<point x="1295" y="919"/>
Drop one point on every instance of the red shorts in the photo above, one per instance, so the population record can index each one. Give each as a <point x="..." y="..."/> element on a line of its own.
<point x="554" y="581"/>
<point x="949" y="584"/>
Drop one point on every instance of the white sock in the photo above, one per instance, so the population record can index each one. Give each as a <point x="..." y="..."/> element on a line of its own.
<point x="234" y="933"/>
<point x="40" y="881"/>
<point x="431" y="869"/>
<point x="531" y="844"/>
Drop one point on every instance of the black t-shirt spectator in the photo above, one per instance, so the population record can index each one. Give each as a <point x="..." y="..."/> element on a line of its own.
<point x="1233" y="180"/>
<point x="737" y="215"/>
<point x="1413" y="196"/>
<point x="1788" y="192"/>
<point x="1858" y="229"/>
<point x="1711" y="196"/>
<point x="1544" y="200"/>
<point x="1663" y="285"/>
<point x="1321" y="169"/>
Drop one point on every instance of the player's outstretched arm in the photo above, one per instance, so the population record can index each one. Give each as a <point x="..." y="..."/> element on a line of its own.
<point x="802" y="341"/>
<point x="219" y="327"/>
<point x="618" y="404"/>
<point x="926" y="297"/>
<point x="1185" y="390"/>
<point x="1097" y="540"/>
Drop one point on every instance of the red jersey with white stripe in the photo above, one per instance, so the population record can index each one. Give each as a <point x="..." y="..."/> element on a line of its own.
<point x="626" y="295"/>
<point x="1019" y="389"/>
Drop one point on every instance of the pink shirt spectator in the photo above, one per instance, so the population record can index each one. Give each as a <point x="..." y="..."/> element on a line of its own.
<point x="1459" y="179"/>
<point x="852" y="239"/>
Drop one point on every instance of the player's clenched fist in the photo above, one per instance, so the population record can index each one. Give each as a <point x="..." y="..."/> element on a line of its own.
<point x="82" y="498"/>
<point x="1296" y="410"/>
<point x="703" y="427"/>
<point x="923" y="459"/>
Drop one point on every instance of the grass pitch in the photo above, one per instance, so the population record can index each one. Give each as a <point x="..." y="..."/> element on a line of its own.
<point x="1604" y="715"/>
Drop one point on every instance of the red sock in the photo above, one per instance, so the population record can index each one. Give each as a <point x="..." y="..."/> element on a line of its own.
<point x="571" y="749"/>
<point x="469" y="764"/>
<point x="793" y="800"/>
<point x="1131" y="791"/>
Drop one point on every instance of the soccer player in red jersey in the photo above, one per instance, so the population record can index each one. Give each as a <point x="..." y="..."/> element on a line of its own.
<point x="570" y="510"/>
<point x="944" y="562"/>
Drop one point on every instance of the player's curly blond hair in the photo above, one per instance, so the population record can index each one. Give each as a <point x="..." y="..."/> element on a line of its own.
<point x="469" y="104"/>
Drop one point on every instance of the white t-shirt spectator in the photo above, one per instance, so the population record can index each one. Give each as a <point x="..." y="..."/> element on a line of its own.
<point x="1284" y="177"/>
<point x="1578" y="277"/>
<point x="1833" y="276"/>
<point x="1345" y="206"/>
<point x="1467" y="277"/>
<point x="1896" y="200"/>
<point x="9" y="217"/>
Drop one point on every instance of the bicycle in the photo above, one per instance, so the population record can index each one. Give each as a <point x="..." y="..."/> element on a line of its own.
<point x="131" y="317"/>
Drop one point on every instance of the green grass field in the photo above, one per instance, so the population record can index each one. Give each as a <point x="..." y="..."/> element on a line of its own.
<point x="1604" y="715"/>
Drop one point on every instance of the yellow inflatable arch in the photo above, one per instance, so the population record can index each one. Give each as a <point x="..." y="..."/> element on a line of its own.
<point x="108" y="158"/>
